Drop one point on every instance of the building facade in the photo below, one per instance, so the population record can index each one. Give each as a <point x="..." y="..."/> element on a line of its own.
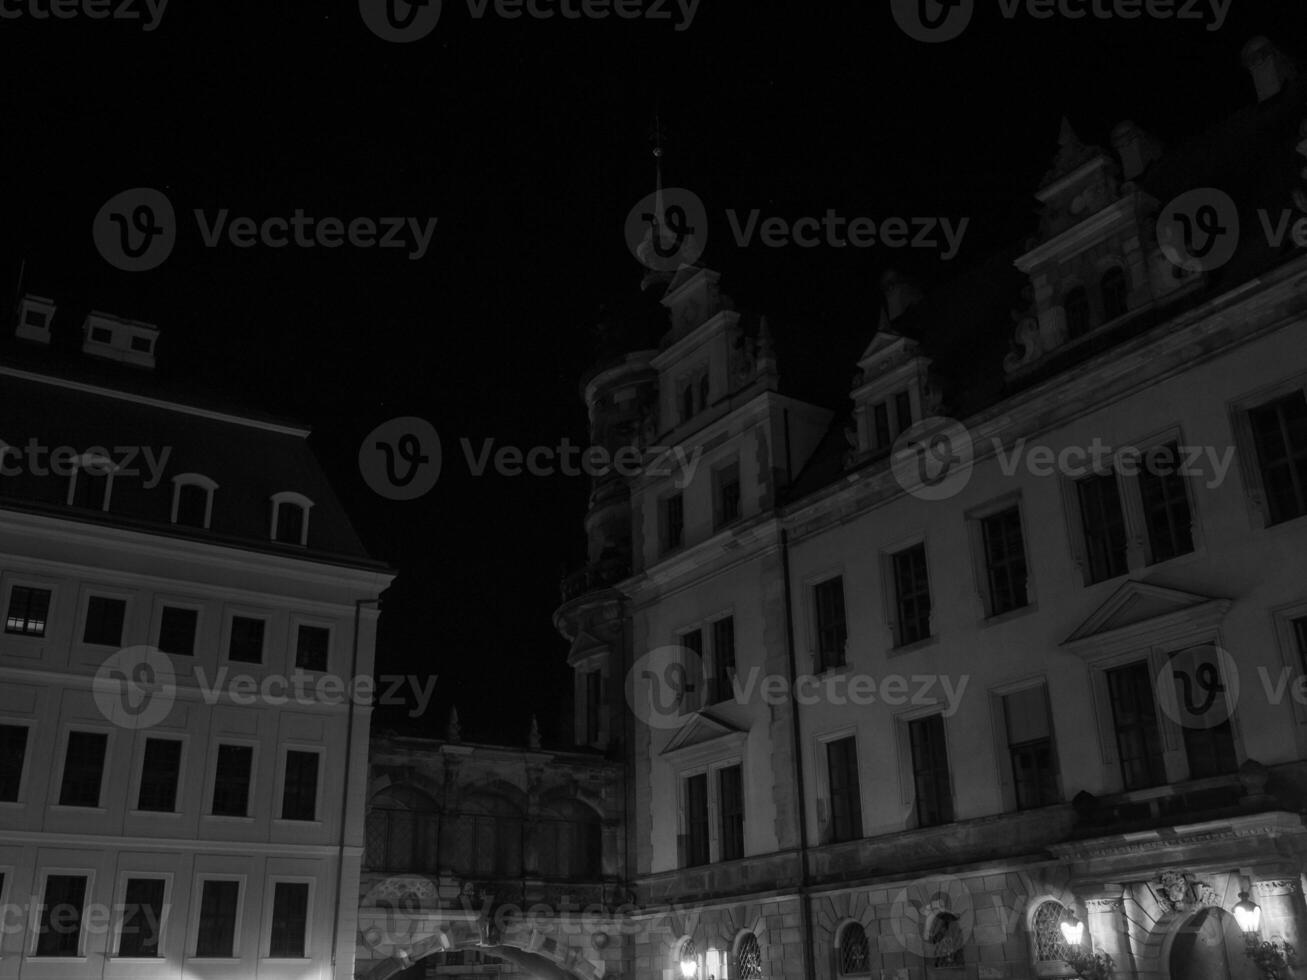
<point x="185" y="605"/>
<point x="1012" y="645"/>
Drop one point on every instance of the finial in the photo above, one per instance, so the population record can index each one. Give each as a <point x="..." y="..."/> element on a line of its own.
<point x="533" y="737"/>
<point x="453" y="731"/>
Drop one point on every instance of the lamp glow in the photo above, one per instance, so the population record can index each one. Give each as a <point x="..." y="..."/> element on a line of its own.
<point x="689" y="968"/>
<point x="1073" y="930"/>
<point x="1248" y="914"/>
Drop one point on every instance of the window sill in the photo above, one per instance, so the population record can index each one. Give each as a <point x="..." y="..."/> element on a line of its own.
<point x="68" y="808"/>
<point x="225" y="818"/>
<point x="914" y="646"/>
<point x="216" y="960"/>
<point x="154" y="813"/>
<point x="289" y="824"/>
<point x="35" y="958"/>
<point x="1007" y="616"/>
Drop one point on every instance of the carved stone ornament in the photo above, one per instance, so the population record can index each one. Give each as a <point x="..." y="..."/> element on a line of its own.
<point x="1173" y="891"/>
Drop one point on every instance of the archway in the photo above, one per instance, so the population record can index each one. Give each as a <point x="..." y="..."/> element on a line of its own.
<point x="1209" y="946"/>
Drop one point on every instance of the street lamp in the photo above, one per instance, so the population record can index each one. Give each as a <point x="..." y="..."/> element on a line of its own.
<point x="1249" y="916"/>
<point x="689" y="968"/>
<point x="1073" y="930"/>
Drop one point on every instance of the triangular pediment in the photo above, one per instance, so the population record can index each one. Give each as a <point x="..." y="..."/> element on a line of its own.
<point x="701" y="729"/>
<point x="1137" y="610"/>
<point x="885" y="344"/>
<point x="585" y="645"/>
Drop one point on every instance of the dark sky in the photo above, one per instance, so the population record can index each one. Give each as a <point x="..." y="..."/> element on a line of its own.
<point x="528" y="140"/>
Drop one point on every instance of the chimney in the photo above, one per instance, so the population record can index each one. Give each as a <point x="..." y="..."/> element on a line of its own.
<point x="1136" y="147"/>
<point x="1270" y="67"/>
<point x="34" y="316"/>
<point x="116" y="339"/>
<point x="900" y="294"/>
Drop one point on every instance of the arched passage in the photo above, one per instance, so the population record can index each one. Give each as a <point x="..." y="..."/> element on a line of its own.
<point x="1209" y="945"/>
<point x="540" y="965"/>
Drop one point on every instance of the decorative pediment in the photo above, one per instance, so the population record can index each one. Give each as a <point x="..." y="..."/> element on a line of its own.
<point x="704" y="730"/>
<point x="585" y="646"/>
<point x="1138" y="614"/>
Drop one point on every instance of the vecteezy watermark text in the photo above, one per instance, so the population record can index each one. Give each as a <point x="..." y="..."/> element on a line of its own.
<point x="89" y="9"/>
<point x="893" y="690"/>
<point x="405" y="21"/>
<point x="38" y="459"/>
<point x="934" y="21"/>
<point x="835" y="231"/>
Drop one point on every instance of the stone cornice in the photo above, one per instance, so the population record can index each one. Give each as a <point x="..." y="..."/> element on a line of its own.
<point x="1264" y="825"/>
<point x="1119" y="213"/>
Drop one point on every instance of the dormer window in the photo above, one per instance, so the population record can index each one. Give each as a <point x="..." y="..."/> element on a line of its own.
<point x="1076" y="305"/>
<point x="34" y="316"/>
<point x="1114" y="289"/>
<point x="91" y="484"/>
<point x="692" y="395"/>
<point x="192" y="500"/>
<point x="687" y="403"/>
<point x="116" y="339"/>
<point x="290" y="518"/>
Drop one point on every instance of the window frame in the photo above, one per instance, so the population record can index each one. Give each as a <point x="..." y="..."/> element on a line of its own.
<point x="890" y="596"/>
<point x="283" y="758"/>
<point x="211" y="778"/>
<point x="229" y="616"/>
<point x="177" y="602"/>
<point x="56" y="785"/>
<point x="975" y="518"/>
<point x="716" y="692"/>
<point x="1239" y="410"/>
<point x="206" y="484"/>
<point x="819" y="662"/>
<point x="295" y="499"/>
<point x="85" y="461"/>
<point x="720" y="475"/>
<point x="710" y="770"/>
<point x="24" y="773"/>
<point x="83" y="613"/>
<point x="1006" y="777"/>
<point x="298" y="622"/>
<point x="120" y="914"/>
<point x="906" y="720"/>
<point x="197" y="899"/>
<point x="31" y="585"/>
<point x="43" y="876"/>
<point x="138" y="773"/>
<point x="668" y="545"/>
<point x="825" y="792"/>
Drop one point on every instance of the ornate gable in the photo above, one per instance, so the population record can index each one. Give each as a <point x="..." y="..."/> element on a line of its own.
<point x="703" y="731"/>
<point x="1138" y="613"/>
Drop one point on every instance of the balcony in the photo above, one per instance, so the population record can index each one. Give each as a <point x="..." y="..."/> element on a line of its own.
<point x="595" y="576"/>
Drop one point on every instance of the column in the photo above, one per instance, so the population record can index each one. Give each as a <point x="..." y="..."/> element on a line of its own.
<point x="1106" y="924"/>
<point x="1283" y="909"/>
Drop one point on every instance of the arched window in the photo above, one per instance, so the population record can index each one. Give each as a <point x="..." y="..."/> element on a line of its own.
<point x="484" y="838"/>
<point x="570" y="842"/>
<point x="748" y="958"/>
<point x="91" y="485"/>
<point x="1076" y="304"/>
<point x="945" y="940"/>
<point x="1114" y="289"/>
<point x="852" y="953"/>
<point x="1046" y="925"/>
<point x="192" y="499"/>
<point x="401" y="831"/>
<point x="290" y="518"/>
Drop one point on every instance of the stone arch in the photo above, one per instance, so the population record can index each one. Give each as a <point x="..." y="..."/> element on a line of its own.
<point x="418" y="780"/>
<point x="546" y="961"/>
<point x="841" y="935"/>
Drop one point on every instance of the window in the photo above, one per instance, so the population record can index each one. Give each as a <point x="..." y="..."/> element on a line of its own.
<point x="142" y="914"/>
<point x="832" y="633"/>
<point x="231" y="781"/>
<point x="28" y="609"/>
<point x="593" y="699"/>
<point x="571" y="842"/>
<point x="311" y="646"/>
<point x="160" y="774"/>
<point x="246" y="640"/>
<point x="687" y="402"/>
<point x="1050" y="944"/>
<point x="290" y="919"/>
<point x="101" y="335"/>
<point x="730" y="796"/>
<point x="946" y="940"/>
<point x="692" y="641"/>
<point x="13" y="751"/>
<point x="902" y="412"/>
<point x="1114" y="290"/>
<point x="299" y="798"/>
<point x="1167" y="518"/>
<point x="930" y="771"/>
<point x="673" y="521"/>
<point x="1300" y="640"/>
<point x="1134" y="719"/>
<point x="192" y="500"/>
<point x="62" y="910"/>
<point x="90" y="483"/>
<point x="104" y="621"/>
<point x="177" y="628"/>
<point x="911" y="595"/>
<point x="703" y="391"/>
<point x="853" y="953"/>
<point x="141" y="344"/>
<point x="1030" y="747"/>
<point x="696" y="820"/>
<point x="723" y="655"/>
<point x="880" y="425"/>
<point x="845" y="791"/>
<point x="1005" y="560"/>
<point x="727" y="508"/>
<point x="1076" y="305"/>
<point x="83" y="769"/>
<point x="1280" y="440"/>
<point x="218" y="906"/>
<point x="290" y="521"/>
<point x="1208" y="737"/>
<point x="1103" y="524"/>
<point x="748" y="958"/>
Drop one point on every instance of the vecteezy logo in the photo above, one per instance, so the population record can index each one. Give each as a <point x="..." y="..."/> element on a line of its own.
<point x="932" y="460"/>
<point x="135" y="687"/>
<point x="407" y="902"/>
<point x="400" y="21"/>
<point x="933" y="917"/>
<point x="1199" y="230"/>
<point x="661" y="683"/>
<point x="1199" y="687"/>
<point x="135" y="230"/>
<point x="932" y="21"/>
<point x="667" y="229"/>
<point x="400" y="459"/>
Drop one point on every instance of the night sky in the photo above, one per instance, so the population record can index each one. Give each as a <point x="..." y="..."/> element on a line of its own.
<point x="529" y="141"/>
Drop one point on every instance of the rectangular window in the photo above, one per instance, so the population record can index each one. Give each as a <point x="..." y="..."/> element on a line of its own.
<point x="83" y="769"/>
<point x="13" y="750"/>
<point x="1300" y="639"/>
<point x="930" y="771"/>
<point x="696" y="820"/>
<point x="192" y="504"/>
<point x="1166" y="504"/>
<point x="1103" y="524"/>
<point x="62" y="909"/>
<point x="1280" y="439"/>
<point x="1208" y="742"/>
<point x="104" y="621"/>
<point x="673" y="521"/>
<point x="299" y="801"/>
<point x="692" y="641"/>
<point x="28" y="609"/>
<point x="593" y="699"/>
<point x="290" y="523"/>
<point x="1005" y="560"/>
<point x="845" y="790"/>
<point x="231" y="783"/>
<point x="1134" y="720"/>
<point x="91" y="486"/>
<point x="1030" y="748"/>
<point x="728" y="495"/>
<point x="177" y="630"/>
<point x="246" y="640"/>
<point x="902" y="412"/>
<point x="290" y="919"/>
<point x="832" y="632"/>
<point x="142" y="913"/>
<point x="311" y="646"/>
<point x="880" y="425"/>
<point x="730" y="788"/>
<point x="160" y="774"/>
<point x="723" y="655"/>
<point x="217" y="932"/>
<point x="911" y="594"/>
